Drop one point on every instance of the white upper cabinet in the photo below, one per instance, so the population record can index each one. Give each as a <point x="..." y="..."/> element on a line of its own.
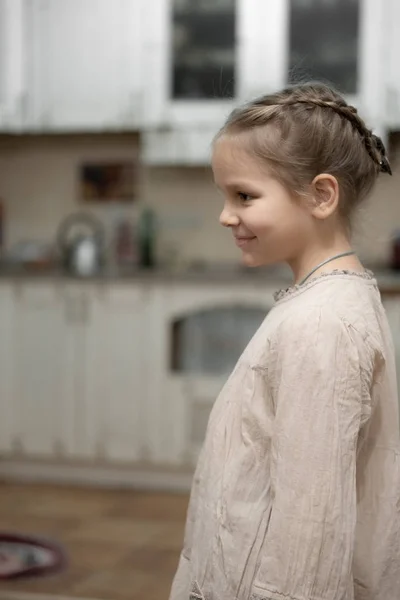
<point x="391" y="61"/>
<point x="85" y="60"/>
<point x="176" y="68"/>
<point x="342" y="42"/>
<point x="261" y="47"/>
<point x="371" y="83"/>
<point x="207" y="57"/>
<point x="12" y="65"/>
<point x="202" y="59"/>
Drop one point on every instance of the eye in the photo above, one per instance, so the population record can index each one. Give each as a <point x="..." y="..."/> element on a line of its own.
<point x="244" y="197"/>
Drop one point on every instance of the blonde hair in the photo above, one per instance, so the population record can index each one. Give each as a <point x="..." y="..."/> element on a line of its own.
<point x="309" y="129"/>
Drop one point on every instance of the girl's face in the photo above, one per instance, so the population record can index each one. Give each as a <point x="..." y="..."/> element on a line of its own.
<point x="268" y="224"/>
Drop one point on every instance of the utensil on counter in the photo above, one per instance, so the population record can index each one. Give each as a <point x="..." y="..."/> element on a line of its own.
<point x="81" y="244"/>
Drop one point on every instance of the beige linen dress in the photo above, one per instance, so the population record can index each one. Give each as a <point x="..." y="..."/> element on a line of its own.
<point x="296" y="494"/>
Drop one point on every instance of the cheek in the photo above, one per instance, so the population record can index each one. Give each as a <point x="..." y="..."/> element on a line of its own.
<point x="275" y="217"/>
<point x="258" y="219"/>
<point x="291" y="216"/>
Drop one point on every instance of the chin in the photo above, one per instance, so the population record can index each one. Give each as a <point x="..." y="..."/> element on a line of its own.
<point x="251" y="260"/>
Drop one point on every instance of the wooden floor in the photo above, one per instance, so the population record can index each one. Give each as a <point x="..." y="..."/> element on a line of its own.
<point x="121" y="544"/>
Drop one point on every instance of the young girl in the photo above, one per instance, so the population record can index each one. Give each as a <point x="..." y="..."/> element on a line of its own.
<point x="297" y="491"/>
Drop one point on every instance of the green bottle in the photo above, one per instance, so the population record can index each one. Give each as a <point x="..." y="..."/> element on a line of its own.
<point x="147" y="238"/>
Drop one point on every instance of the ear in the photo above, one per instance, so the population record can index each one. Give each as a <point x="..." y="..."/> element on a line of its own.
<point x="325" y="194"/>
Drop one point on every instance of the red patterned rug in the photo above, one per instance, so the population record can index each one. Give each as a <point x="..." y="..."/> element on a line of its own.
<point x="25" y="556"/>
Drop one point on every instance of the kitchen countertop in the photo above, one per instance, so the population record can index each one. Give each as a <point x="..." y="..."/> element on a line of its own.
<point x="212" y="274"/>
<point x="388" y="280"/>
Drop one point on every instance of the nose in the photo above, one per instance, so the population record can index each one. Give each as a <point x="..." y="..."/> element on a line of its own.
<point x="228" y="218"/>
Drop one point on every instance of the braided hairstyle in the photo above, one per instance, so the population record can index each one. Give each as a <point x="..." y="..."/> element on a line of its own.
<point x="309" y="129"/>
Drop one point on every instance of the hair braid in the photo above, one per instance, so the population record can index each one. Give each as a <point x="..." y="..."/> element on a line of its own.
<point x="373" y="144"/>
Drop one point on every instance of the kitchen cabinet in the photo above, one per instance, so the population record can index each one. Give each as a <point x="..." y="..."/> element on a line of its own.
<point x="72" y="371"/>
<point x="7" y="321"/>
<point x="194" y="354"/>
<point x="344" y="43"/>
<point x="392" y="48"/>
<point x="257" y="46"/>
<point x="96" y="65"/>
<point x="40" y="410"/>
<point x="371" y="95"/>
<point x="84" y="65"/>
<point x="116" y="374"/>
<point x="180" y="130"/>
<point x="392" y="307"/>
<point x="12" y="65"/>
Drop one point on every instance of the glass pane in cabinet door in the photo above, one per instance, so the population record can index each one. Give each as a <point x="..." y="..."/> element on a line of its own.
<point x="203" y="56"/>
<point x="211" y="341"/>
<point x="323" y="42"/>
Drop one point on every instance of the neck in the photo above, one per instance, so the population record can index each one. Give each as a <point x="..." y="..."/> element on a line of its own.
<point x="312" y="257"/>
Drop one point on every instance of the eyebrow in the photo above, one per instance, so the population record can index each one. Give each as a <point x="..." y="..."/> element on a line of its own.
<point x="238" y="185"/>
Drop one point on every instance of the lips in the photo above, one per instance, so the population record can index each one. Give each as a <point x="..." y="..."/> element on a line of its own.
<point x="242" y="241"/>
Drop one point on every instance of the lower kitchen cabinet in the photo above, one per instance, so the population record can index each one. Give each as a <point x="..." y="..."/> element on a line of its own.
<point x="392" y="307"/>
<point x="38" y="409"/>
<point x="71" y="371"/>
<point x="114" y="378"/>
<point x="110" y="375"/>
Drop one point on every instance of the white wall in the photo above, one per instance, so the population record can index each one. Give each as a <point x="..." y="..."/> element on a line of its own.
<point x="38" y="183"/>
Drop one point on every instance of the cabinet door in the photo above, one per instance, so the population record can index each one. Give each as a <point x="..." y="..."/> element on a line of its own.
<point x="202" y="59"/>
<point x="116" y="373"/>
<point x="42" y="411"/>
<point x="7" y="324"/>
<point x="371" y="97"/>
<point x="344" y="44"/>
<point x="262" y="47"/>
<point x="392" y="307"/>
<point x="391" y="49"/>
<point x="201" y="330"/>
<point x="12" y="65"/>
<point x="85" y="67"/>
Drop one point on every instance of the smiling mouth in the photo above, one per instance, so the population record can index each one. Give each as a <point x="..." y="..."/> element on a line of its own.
<point x="243" y="241"/>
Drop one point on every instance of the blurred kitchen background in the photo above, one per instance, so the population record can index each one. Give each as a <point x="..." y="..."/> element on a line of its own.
<point x="123" y="303"/>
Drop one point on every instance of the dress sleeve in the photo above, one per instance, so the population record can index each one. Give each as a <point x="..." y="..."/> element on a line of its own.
<point x="320" y="404"/>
